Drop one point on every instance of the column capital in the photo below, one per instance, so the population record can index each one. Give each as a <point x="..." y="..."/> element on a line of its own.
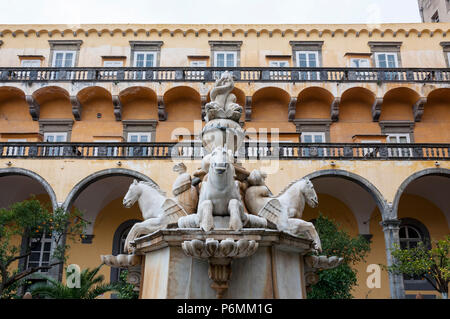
<point x="390" y="224"/>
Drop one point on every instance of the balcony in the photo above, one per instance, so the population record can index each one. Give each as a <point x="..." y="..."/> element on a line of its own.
<point x="250" y="151"/>
<point x="241" y="74"/>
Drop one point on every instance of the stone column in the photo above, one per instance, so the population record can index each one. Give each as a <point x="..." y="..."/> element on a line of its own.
<point x="391" y="229"/>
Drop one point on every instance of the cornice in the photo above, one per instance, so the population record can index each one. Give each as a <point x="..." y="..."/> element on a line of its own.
<point x="394" y="30"/>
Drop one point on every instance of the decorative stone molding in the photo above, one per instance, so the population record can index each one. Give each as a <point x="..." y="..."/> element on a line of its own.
<point x="306" y="46"/>
<point x="162" y="114"/>
<point x="376" y="109"/>
<point x="446" y="47"/>
<point x="117" y="107"/>
<point x="232" y="46"/>
<point x="137" y="46"/>
<point x="131" y="262"/>
<point x="139" y="126"/>
<point x="34" y="107"/>
<point x="248" y="108"/>
<point x="386" y="46"/>
<point x="398" y="127"/>
<point x="220" y="255"/>
<point x="314" y="125"/>
<point x="64" y="45"/>
<point x="76" y="108"/>
<point x="335" y="109"/>
<point x="315" y="263"/>
<point x="419" y="108"/>
<point x="56" y="125"/>
<point x="292" y="109"/>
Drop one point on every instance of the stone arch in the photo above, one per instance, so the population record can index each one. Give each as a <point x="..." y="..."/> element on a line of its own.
<point x="433" y="114"/>
<point x="93" y="100"/>
<point x="355" y="110"/>
<point x="270" y="104"/>
<point x="398" y="104"/>
<point x="139" y="103"/>
<point x="54" y="102"/>
<point x="13" y="105"/>
<point x="84" y="183"/>
<point x="24" y="172"/>
<point x="426" y="172"/>
<point x="361" y="181"/>
<point x="314" y="103"/>
<point x="183" y="98"/>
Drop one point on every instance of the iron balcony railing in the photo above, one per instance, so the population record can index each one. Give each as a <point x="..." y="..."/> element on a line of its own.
<point x="251" y="150"/>
<point x="241" y="74"/>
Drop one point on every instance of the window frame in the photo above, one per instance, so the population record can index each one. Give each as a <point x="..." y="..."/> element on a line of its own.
<point x="43" y="240"/>
<point x="377" y="60"/>
<point x="225" y="53"/>
<point x="64" y="52"/>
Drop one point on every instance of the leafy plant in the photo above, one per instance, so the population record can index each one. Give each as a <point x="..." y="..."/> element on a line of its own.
<point x="32" y="219"/>
<point x="338" y="283"/>
<point x="430" y="264"/>
<point x="91" y="286"/>
<point x="124" y="289"/>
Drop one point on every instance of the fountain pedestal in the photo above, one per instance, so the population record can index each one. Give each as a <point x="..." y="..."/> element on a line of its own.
<point x="249" y="264"/>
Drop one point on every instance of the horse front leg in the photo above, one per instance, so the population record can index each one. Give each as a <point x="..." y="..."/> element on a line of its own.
<point x="139" y="229"/>
<point x="237" y="215"/>
<point x="299" y="226"/>
<point x="205" y="215"/>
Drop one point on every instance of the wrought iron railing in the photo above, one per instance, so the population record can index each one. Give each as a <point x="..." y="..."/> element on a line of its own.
<point x="241" y="74"/>
<point x="251" y="150"/>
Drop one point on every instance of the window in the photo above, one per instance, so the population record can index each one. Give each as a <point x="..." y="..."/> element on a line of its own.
<point x="64" y="54"/>
<point x="197" y="64"/>
<point x="64" y="59"/>
<point x="446" y="48"/>
<point x="308" y="59"/>
<point x="370" y="151"/>
<point x="144" y="60"/>
<point x="54" y="138"/>
<point x="139" y="131"/>
<point x="278" y="64"/>
<point x="113" y="63"/>
<point x="386" y="60"/>
<point x="225" y="59"/>
<point x="359" y="63"/>
<point x="145" y="54"/>
<point x="278" y="75"/>
<point x="387" y="55"/>
<point x="225" y="54"/>
<point x="30" y="63"/>
<point x="118" y="248"/>
<point x="40" y="248"/>
<point x="313" y="137"/>
<point x="411" y="233"/>
<point x="399" y="139"/>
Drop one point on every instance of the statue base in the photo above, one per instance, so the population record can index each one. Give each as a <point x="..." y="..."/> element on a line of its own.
<point x="249" y="264"/>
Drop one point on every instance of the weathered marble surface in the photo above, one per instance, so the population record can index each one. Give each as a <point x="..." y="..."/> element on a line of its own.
<point x="276" y="270"/>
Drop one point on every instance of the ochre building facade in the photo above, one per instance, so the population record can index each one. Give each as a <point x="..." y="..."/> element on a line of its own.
<point x="363" y="111"/>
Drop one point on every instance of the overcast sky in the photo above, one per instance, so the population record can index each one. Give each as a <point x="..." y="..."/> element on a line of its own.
<point x="75" y="12"/>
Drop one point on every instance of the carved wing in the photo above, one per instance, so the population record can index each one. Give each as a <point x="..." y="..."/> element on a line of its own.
<point x="172" y="211"/>
<point x="271" y="211"/>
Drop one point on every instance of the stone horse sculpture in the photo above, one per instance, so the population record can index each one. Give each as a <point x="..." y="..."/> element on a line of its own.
<point x="223" y="103"/>
<point x="286" y="209"/>
<point x="220" y="196"/>
<point x="157" y="210"/>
